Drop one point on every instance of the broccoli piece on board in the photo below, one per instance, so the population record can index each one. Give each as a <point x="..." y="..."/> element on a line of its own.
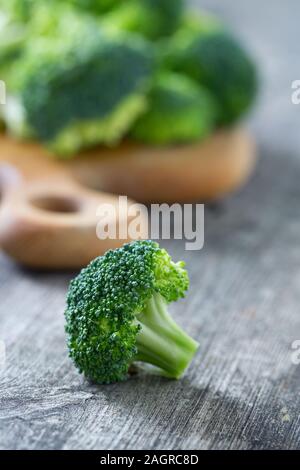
<point x="79" y="89"/>
<point x="212" y="57"/>
<point x="179" y="111"/>
<point x="117" y="314"/>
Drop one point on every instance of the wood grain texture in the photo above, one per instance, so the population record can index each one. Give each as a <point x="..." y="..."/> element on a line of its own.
<point x="242" y="391"/>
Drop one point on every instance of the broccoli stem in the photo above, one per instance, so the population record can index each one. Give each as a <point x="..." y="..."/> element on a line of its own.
<point x="161" y="342"/>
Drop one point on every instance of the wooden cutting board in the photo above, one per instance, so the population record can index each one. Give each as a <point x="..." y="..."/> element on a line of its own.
<point x="48" y="206"/>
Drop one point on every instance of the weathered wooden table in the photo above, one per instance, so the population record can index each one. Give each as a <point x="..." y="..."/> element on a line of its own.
<point x="242" y="390"/>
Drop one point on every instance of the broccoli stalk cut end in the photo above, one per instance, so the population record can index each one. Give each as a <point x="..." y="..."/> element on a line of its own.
<point x="161" y="342"/>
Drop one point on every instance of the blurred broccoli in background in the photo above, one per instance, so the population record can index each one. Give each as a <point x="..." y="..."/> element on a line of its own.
<point x="82" y="72"/>
<point x="23" y="9"/>
<point x="209" y="54"/>
<point x="96" y="6"/>
<point x="199" y="22"/>
<point x="12" y="37"/>
<point x="179" y="111"/>
<point x="71" y="92"/>
<point x="19" y="10"/>
<point x="150" y="18"/>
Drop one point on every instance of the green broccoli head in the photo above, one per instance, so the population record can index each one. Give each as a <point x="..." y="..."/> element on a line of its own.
<point x="212" y="57"/>
<point x="179" y="111"/>
<point x="116" y="314"/>
<point x="81" y="88"/>
<point x="150" y="18"/>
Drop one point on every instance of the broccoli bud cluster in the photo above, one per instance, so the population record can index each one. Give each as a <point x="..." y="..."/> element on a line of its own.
<point x="117" y="314"/>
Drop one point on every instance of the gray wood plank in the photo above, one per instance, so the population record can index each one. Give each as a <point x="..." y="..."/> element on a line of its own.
<point x="242" y="390"/>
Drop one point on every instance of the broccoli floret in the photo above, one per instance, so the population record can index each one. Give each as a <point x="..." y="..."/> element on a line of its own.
<point x="117" y="314"/>
<point x="179" y="111"/>
<point x="150" y="18"/>
<point x="80" y="88"/>
<point x="212" y="57"/>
